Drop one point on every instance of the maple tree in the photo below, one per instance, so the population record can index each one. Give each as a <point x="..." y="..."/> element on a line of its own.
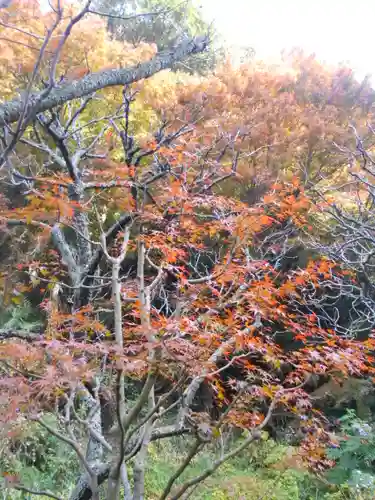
<point x="145" y="269"/>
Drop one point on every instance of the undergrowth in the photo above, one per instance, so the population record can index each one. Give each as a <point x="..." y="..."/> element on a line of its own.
<point x="268" y="470"/>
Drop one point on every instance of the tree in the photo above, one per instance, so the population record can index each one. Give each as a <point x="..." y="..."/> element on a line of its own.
<point x="145" y="273"/>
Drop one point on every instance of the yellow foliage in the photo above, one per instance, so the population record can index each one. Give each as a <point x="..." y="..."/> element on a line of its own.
<point x="89" y="48"/>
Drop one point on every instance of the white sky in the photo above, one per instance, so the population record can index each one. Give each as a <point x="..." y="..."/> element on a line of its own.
<point x="335" y="30"/>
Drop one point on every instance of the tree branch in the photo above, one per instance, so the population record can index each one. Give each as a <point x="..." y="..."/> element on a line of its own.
<point x="19" y="334"/>
<point x="35" y="492"/>
<point x="193" y="451"/>
<point x="110" y="236"/>
<point x="12" y="110"/>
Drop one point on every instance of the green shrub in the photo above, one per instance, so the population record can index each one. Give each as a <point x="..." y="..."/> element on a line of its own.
<point x="355" y="455"/>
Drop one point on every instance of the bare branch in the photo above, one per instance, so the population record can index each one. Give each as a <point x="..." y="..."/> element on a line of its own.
<point x="131" y="17"/>
<point x="42" y="493"/>
<point x="20" y="30"/>
<point x="19" y="334"/>
<point x="110" y="235"/>
<point x="193" y="451"/>
<point x="68" y="441"/>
